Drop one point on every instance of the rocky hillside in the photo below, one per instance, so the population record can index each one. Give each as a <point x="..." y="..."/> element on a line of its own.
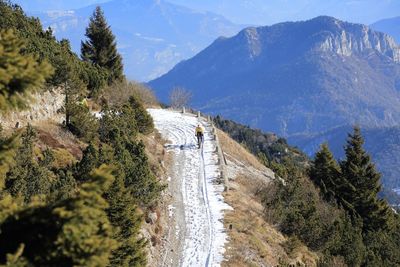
<point x="295" y="77"/>
<point x="43" y="106"/>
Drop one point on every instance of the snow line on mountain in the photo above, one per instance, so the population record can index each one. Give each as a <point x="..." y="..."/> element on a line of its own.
<point x="198" y="171"/>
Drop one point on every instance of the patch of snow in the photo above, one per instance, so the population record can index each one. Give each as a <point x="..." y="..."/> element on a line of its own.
<point x="171" y="210"/>
<point x="204" y="206"/>
<point x="397" y="190"/>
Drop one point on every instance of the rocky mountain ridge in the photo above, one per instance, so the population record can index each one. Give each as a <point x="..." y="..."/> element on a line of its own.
<point x="337" y="36"/>
<point x="390" y="26"/>
<point x="312" y="75"/>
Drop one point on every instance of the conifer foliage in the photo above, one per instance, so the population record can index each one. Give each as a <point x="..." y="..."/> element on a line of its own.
<point x="83" y="215"/>
<point x="73" y="232"/>
<point x="86" y="211"/>
<point x="325" y="172"/>
<point x="363" y="184"/>
<point x="19" y="73"/>
<point x="355" y="185"/>
<point x="28" y="177"/>
<point x="339" y="213"/>
<point x="101" y="49"/>
<point x="44" y="46"/>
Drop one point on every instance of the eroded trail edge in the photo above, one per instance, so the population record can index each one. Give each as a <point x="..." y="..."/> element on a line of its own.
<point x="196" y="235"/>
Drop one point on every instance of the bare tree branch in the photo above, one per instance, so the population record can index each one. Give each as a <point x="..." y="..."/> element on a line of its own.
<point x="179" y="97"/>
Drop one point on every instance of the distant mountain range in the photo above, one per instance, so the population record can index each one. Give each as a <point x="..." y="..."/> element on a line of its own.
<point x="152" y="35"/>
<point x="295" y="77"/>
<point x="390" y="26"/>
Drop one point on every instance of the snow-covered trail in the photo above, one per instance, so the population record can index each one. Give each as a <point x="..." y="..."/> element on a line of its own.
<point x="198" y="205"/>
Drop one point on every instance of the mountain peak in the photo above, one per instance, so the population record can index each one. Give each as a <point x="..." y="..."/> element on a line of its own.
<point x="320" y="34"/>
<point x="326" y="19"/>
<point x="330" y="71"/>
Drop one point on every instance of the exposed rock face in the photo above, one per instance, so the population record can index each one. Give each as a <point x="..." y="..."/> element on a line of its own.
<point x="295" y="77"/>
<point x="43" y="106"/>
<point x="346" y="39"/>
<point x="334" y="36"/>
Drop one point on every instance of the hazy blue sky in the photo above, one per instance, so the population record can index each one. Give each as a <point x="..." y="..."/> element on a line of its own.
<point x="44" y="5"/>
<point x="273" y="11"/>
<point x="262" y="12"/>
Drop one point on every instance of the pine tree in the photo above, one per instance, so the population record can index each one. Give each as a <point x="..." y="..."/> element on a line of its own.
<point x="90" y="161"/>
<point x="363" y="184"/>
<point x="78" y="118"/>
<point x="19" y="73"/>
<point x="100" y="48"/>
<point x="143" y="119"/>
<point x="73" y="232"/>
<point x="7" y="154"/>
<point x="325" y="173"/>
<point x="124" y="216"/>
<point x="68" y="76"/>
<point x="27" y="178"/>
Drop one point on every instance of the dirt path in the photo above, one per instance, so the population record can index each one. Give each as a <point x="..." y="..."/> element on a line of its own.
<point x="195" y="235"/>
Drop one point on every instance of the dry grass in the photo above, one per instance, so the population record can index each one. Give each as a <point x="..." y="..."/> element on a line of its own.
<point x="237" y="151"/>
<point x="118" y="93"/>
<point x="253" y="241"/>
<point x="53" y="135"/>
<point x="155" y="152"/>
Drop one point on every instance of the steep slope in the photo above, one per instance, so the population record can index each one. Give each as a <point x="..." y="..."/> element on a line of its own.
<point x="295" y="77"/>
<point x="252" y="240"/>
<point x="152" y="35"/>
<point x="390" y="26"/>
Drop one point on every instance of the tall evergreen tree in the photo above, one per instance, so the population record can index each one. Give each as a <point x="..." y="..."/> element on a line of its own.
<point x="325" y="173"/>
<point x="363" y="184"/>
<point x="101" y="48"/>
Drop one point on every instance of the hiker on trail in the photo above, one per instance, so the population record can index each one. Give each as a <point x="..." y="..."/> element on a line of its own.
<point x="199" y="135"/>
